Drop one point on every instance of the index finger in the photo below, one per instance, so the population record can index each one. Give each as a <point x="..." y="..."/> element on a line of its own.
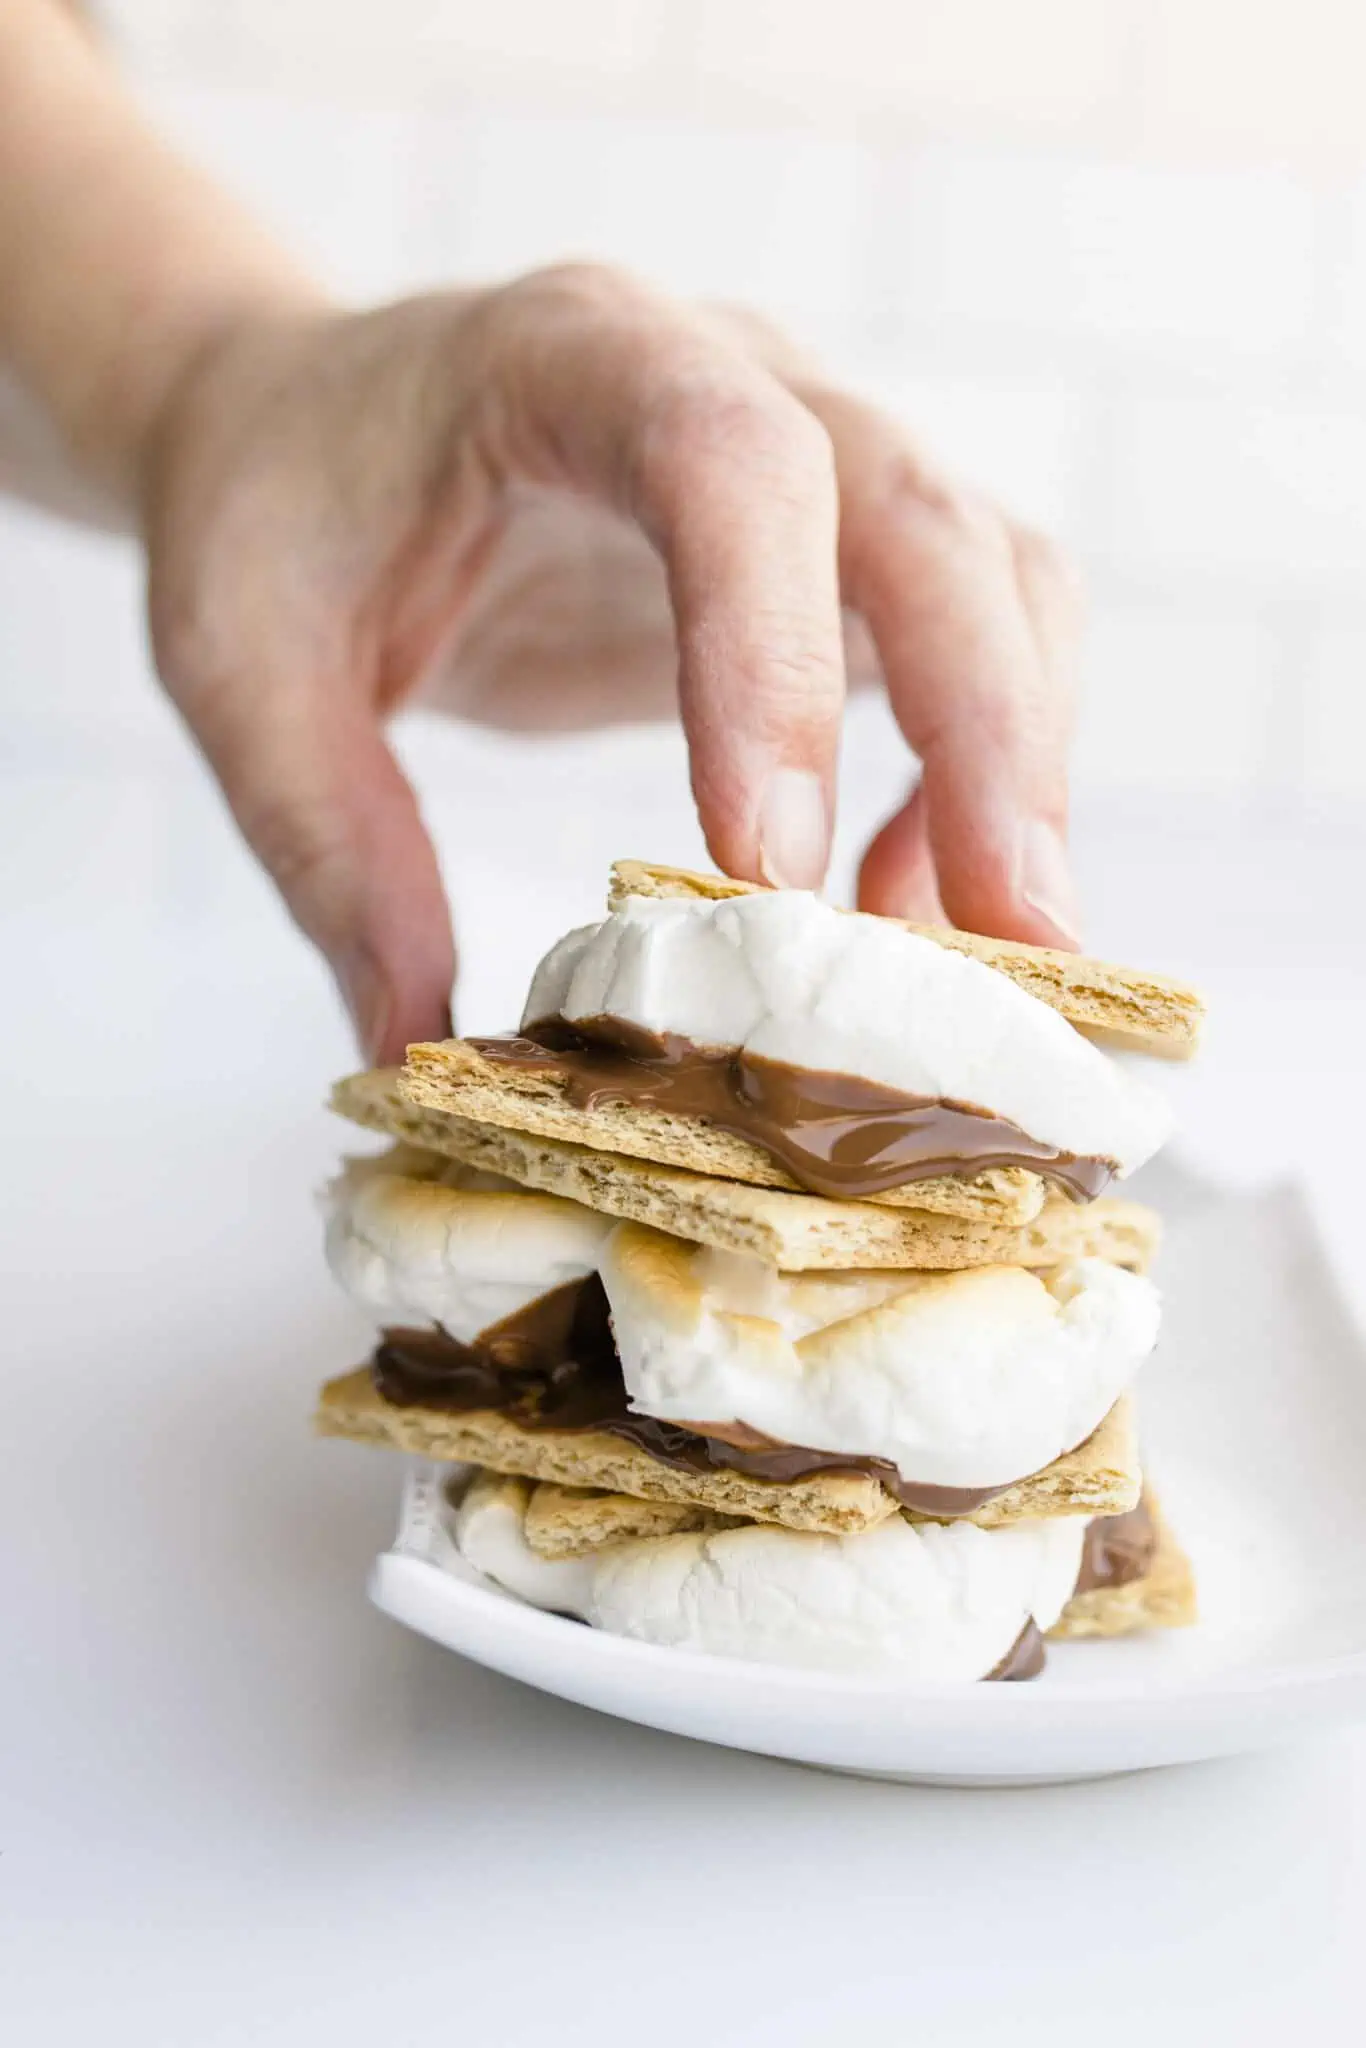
<point x="620" y="393"/>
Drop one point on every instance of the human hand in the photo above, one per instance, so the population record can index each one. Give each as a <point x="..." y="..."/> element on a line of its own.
<point x="550" y="504"/>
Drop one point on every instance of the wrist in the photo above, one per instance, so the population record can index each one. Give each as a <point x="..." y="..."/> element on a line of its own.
<point x="119" y="264"/>
<point x="115" y="424"/>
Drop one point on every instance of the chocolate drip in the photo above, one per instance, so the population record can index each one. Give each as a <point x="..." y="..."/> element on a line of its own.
<point x="1118" y="1549"/>
<point x="1026" y="1656"/>
<point x="551" y="1365"/>
<point x="834" y="1133"/>
<point x="573" y="1382"/>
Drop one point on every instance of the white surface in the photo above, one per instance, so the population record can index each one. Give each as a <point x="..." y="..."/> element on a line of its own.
<point x="238" y="1806"/>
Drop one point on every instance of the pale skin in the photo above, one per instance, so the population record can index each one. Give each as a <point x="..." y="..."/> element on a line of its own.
<point x="543" y="505"/>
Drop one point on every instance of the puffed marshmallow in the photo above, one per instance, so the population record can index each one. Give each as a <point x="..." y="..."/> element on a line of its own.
<point x="923" y="1603"/>
<point x="971" y="1378"/>
<point x="414" y="1237"/>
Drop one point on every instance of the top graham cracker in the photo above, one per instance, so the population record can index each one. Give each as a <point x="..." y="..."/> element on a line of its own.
<point x="1118" y="1006"/>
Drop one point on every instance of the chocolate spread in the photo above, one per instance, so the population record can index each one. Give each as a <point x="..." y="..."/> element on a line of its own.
<point x="1026" y="1656"/>
<point x="554" y="1366"/>
<point x="834" y="1133"/>
<point x="1118" y="1549"/>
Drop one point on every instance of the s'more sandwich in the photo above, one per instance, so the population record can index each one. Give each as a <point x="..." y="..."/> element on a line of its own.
<point x="767" y="1291"/>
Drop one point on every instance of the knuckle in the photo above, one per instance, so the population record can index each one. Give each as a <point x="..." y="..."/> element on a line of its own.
<point x="580" y="288"/>
<point x="1045" y="566"/>
<point x="183" y="647"/>
<point x="1021" y="725"/>
<point x="916" y="496"/>
<point x="295" y="839"/>
<point x="758" y="335"/>
<point x="309" y="854"/>
<point x="970" y="521"/>
<point x="1004" y="720"/>
<point x="797" y="689"/>
<point x="714" y="420"/>
<point x="747" y="322"/>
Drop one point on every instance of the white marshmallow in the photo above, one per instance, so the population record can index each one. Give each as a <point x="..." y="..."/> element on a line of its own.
<point x="488" y="1535"/>
<point x="413" y="1237"/>
<point x="789" y="978"/>
<point x="972" y="1378"/>
<point x="919" y="1602"/>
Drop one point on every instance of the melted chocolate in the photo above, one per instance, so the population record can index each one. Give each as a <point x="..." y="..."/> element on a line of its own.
<point x="554" y="1365"/>
<point x="573" y="1382"/>
<point x="1026" y="1656"/>
<point x="834" y="1133"/>
<point x="1118" y="1549"/>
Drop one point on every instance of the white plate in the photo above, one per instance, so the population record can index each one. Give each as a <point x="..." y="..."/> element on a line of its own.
<point x="1254" y="1424"/>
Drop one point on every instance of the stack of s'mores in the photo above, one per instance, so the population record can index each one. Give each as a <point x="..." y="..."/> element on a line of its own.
<point x="764" y="1293"/>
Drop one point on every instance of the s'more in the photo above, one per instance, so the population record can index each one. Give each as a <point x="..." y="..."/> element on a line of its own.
<point x="771" y="1291"/>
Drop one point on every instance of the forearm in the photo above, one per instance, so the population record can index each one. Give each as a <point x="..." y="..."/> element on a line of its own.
<point x="118" y="262"/>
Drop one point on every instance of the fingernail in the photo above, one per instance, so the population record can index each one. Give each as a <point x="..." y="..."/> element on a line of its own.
<point x="794" y="830"/>
<point x="1045" y="880"/>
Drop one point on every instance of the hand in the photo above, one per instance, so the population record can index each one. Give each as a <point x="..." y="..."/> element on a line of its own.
<point x="551" y="504"/>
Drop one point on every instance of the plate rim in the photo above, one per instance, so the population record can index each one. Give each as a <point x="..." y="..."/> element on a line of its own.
<point x="1133" y="1722"/>
<point x="468" y="1591"/>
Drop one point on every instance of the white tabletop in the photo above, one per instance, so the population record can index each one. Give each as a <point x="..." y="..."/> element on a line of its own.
<point x="239" y="1806"/>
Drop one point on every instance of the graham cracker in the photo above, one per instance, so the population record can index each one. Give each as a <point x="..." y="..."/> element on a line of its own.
<point x="1163" y="1598"/>
<point x="572" y="1521"/>
<point x="351" y="1407"/>
<point x="568" y="1521"/>
<point x="454" y="1076"/>
<point x="1101" y="1477"/>
<point x="1120" y="1006"/>
<point x="797" y="1233"/>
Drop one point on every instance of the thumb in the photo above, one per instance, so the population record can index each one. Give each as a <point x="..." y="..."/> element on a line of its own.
<point x="326" y="807"/>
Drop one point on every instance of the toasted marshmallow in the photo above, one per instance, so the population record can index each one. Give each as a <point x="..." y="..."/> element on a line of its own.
<point x="786" y="977"/>
<point x="971" y="1378"/>
<point x="413" y="1237"/>
<point x="923" y="1603"/>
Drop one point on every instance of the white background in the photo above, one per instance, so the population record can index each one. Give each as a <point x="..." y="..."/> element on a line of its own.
<point x="1108" y="255"/>
<point x="1112" y="255"/>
